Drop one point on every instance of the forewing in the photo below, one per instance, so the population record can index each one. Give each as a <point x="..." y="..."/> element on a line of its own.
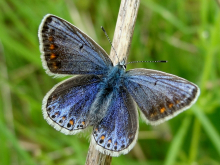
<point x="67" y="50"/>
<point x="67" y="104"/>
<point x="117" y="132"/>
<point x="160" y="96"/>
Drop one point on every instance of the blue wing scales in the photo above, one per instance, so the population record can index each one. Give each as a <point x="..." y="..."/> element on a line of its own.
<point x="67" y="50"/>
<point x="117" y="132"/>
<point x="159" y="95"/>
<point x="67" y="104"/>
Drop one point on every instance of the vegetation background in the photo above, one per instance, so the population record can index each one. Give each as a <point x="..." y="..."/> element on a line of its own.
<point x="184" y="32"/>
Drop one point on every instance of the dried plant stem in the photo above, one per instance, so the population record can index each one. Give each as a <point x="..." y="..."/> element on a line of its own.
<point x="121" y="42"/>
<point x="218" y="2"/>
<point x="124" y="29"/>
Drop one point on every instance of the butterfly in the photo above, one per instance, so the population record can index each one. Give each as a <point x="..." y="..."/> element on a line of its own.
<point x="102" y="95"/>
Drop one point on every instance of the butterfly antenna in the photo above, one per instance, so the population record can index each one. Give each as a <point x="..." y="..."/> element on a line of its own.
<point x="147" y="61"/>
<point x="109" y="41"/>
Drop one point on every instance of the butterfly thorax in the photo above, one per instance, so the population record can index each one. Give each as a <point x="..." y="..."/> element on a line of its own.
<point x="112" y="81"/>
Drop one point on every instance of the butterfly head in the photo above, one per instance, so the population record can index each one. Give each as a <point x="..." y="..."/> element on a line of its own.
<point x="122" y="64"/>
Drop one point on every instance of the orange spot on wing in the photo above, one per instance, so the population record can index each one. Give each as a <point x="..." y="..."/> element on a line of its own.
<point x="177" y="101"/>
<point x="52" y="46"/>
<point x="96" y="129"/>
<point x="109" y="141"/>
<point x="115" y="143"/>
<point x="162" y="110"/>
<point x="50" y="38"/>
<point x="103" y="137"/>
<point x="52" y="56"/>
<point x="64" y="117"/>
<point x="83" y="123"/>
<point x="55" y="65"/>
<point x="71" y="122"/>
<point x="170" y="105"/>
<point x="153" y="114"/>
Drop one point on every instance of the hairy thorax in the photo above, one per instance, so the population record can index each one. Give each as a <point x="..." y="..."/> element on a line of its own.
<point x="113" y="81"/>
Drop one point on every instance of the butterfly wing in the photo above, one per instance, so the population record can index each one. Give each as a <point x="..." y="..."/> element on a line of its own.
<point x="67" y="50"/>
<point x="160" y="96"/>
<point x="66" y="105"/>
<point x="117" y="132"/>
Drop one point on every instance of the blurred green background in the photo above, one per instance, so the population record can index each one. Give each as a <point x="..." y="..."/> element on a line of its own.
<point x="184" y="32"/>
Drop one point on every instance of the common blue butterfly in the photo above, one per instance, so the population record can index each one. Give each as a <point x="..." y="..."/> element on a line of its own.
<point x="102" y="95"/>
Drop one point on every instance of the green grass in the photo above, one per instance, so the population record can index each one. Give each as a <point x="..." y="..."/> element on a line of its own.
<point x="186" y="33"/>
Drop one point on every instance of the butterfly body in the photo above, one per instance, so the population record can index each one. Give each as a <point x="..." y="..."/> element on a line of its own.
<point x="110" y="85"/>
<point x="102" y="95"/>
